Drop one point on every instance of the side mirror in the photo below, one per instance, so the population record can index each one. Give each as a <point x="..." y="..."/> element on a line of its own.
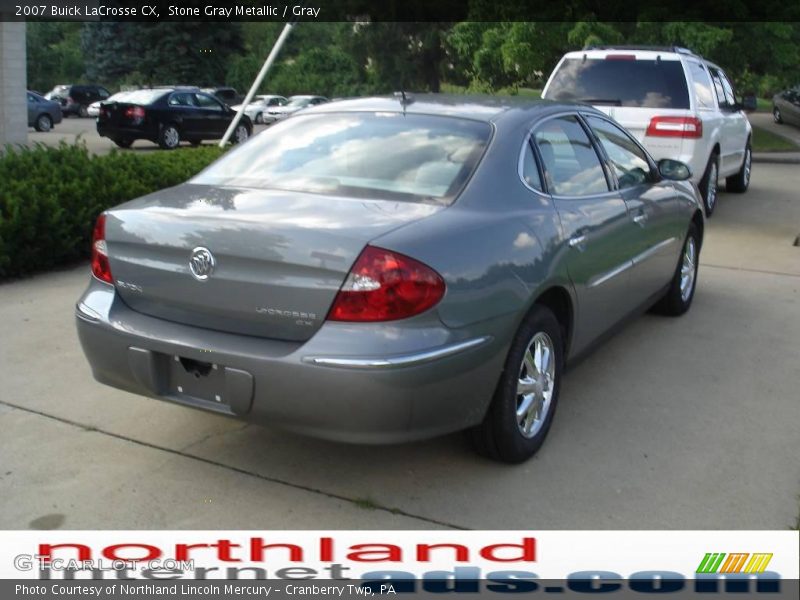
<point x="674" y="170"/>
<point x="749" y="103"/>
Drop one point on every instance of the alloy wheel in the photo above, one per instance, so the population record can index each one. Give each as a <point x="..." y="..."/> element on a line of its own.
<point x="711" y="191"/>
<point x="44" y="123"/>
<point x="241" y="134"/>
<point x="535" y="384"/>
<point x="748" y="165"/>
<point x="688" y="268"/>
<point x="171" y="137"/>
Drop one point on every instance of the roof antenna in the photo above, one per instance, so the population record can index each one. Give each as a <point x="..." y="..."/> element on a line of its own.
<point x="405" y="99"/>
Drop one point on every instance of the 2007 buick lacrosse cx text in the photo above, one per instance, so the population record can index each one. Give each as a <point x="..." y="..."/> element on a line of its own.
<point x="382" y="270"/>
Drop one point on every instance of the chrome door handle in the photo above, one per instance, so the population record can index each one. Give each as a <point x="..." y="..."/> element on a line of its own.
<point x="640" y="219"/>
<point x="576" y="241"/>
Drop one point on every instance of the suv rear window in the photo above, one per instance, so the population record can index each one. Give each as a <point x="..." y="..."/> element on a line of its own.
<point x="361" y="155"/>
<point x="621" y="82"/>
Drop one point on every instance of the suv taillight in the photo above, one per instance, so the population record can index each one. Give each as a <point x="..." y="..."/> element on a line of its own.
<point x="682" y="127"/>
<point x="385" y="286"/>
<point x="100" y="267"/>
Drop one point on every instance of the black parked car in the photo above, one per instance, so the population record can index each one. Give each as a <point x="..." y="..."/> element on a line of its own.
<point x="75" y="99"/>
<point x="227" y="94"/>
<point x="168" y="116"/>
<point x="42" y="113"/>
<point x="786" y="106"/>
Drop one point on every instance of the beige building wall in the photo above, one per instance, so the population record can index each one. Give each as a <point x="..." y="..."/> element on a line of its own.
<point x="13" y="82"/>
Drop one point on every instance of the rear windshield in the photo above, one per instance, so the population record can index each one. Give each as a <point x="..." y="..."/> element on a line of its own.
<point x="363" y="155"/>
<point x="621" y="82"/>
<point x="145" y="96"/>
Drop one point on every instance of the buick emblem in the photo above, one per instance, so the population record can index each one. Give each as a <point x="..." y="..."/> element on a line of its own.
<point x="201" y="263"/>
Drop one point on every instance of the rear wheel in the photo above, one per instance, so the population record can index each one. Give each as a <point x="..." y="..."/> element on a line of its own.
<point x="43" y="123"/>
<point x="524" y="403"/>
<point x="83" y="111"/>
<point x="776" y="115"/>
<point x="741" y="181"/>
<point x="123" y="142"/>
<point x="709" y="186"/>
<point x="170" y="137"/>
<point x="678" y="298"/>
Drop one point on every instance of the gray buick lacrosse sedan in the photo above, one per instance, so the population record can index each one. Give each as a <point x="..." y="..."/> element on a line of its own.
<point x="389" y="269"/>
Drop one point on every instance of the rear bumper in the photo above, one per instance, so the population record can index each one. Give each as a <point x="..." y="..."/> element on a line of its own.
<point x="375" y="383"/>
<point x="134" y="133"/>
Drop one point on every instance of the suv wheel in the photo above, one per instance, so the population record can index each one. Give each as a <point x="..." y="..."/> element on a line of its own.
<point x="741" y="181"/>
<point x="83" y="111"/>
<point x="170" y="137"/>
<point x="776" y="115"/>
<point x="709" y="187"/>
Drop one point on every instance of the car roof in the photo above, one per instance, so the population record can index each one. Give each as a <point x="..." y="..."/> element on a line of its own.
<point x="475" y="107"/>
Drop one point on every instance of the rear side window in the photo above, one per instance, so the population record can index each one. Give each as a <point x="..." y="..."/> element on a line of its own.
<point x="621" y="82"/>
<point x="701" y="85"/>
<point x="571" y="165"/>
<point x="361" y="155"/>
<point x="530" y="172"/>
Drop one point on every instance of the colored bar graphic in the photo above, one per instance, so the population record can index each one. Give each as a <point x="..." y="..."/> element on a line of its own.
<point x="758" y="563"/>
<point x="710" y="562"/>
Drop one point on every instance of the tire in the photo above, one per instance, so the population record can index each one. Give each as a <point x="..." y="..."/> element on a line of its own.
<point x="776" y="115"/>
<point x="43" y="123"/>
<point x="123" y="142"/>
<point x="503" y="436"/>
<point x="709" y="185"/>
<point x="678" y="298"/>
<point x="83" y="111"/>
<point x="240" y="134"/>
<point x="741" y="181"/>
<point x="169" y="137"/>
<point x="259" y="119"/>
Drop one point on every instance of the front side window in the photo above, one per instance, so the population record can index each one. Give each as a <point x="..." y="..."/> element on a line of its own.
<point x="571" y="165"/>
<point x="207" y="102"/>
<point x="361" y="155"/>
<point x="626" y="158"/>
<point x="719" y="90"/>
<point x="621" y="81"/>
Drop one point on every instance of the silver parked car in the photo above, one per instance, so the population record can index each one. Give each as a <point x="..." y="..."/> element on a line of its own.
<point x="42" y="113"/>
<point x="382" y="270"/>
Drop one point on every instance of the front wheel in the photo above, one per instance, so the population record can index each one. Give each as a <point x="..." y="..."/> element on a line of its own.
<point x="680" y="294"/>
<point x="741" y="181"/>
<point x="259" y="118"/>
<point x="524" y="403"/>
<point x="83" y="111"/>
<point x="776" y="115"/>
<point x="709" y="186"/>
<point x="170" y="137"/>
<point x="44" y="123"/>
<point x="240" y="134"/>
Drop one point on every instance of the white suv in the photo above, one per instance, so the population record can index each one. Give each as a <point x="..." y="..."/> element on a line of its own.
<point x="676" y="103"/>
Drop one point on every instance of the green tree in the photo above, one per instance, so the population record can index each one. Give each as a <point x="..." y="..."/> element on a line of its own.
<point x="53" y="54"/>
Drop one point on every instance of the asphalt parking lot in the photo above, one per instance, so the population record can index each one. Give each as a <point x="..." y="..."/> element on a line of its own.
<point x="689" y="423"/>
<point x="72" y="129"/>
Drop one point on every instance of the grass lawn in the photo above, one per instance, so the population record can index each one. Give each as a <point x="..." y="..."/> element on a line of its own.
<point x="766" y="141"/>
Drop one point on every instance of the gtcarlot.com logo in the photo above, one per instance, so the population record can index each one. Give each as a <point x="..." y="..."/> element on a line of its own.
<point x="741" y="562"/>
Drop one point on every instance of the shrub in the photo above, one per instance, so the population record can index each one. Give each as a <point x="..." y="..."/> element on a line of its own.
<point x="50" y="197"/>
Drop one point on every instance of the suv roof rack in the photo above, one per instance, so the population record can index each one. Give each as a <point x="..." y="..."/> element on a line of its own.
<point x="675" y="49"/>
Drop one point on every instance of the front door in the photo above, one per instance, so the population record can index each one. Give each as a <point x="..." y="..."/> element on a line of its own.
<point x="597" y="231"/>
<point x="652" y="206"/>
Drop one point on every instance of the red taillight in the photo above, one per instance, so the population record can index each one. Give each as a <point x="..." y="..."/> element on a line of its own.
<point x="100" y="267"/>
<point x="134" y="113"/>
<point x="385" y="286"/>
<point x="682" y="127"/>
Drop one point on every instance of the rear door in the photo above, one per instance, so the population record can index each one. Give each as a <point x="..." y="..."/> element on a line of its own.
<point x="599" y="234"/>
<point x="652" y="205"/>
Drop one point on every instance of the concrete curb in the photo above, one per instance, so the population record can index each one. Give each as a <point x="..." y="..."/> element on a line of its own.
<point x="782" y="158"/>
